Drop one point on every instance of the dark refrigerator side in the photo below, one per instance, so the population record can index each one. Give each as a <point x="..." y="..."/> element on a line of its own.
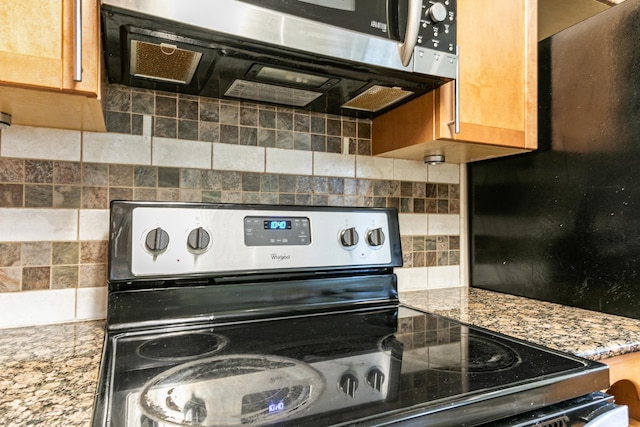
<point x="562" y="224"/>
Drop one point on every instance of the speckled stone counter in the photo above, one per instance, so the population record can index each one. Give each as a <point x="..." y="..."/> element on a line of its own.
<point x="48" y="374"/>
<point x="585" y="333"/>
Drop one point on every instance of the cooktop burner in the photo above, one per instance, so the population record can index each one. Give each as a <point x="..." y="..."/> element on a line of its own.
<point x="183" y="346"/>
<point x="231" y="390"/>
<point x="481" y="355"/>
<point x="488" y="356"/>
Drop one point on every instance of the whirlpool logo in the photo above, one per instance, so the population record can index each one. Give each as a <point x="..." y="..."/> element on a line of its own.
<point x="280" y="257"/>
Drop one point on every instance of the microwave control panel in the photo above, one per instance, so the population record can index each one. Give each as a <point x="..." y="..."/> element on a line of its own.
<point x="438" y="25"/>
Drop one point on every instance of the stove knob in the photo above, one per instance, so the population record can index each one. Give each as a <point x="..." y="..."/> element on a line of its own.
<point x="437" y="12"/>
<point x="157" y="240"/>
<point x="348" y="384"/>
<point x="349" y="237"/>
<point x="375" y="237"/>
<point x="198" y="239"/>
<point x="375" y="378"/>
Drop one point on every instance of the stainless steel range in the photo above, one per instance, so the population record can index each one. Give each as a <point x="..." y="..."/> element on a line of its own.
<point x="225" y="315"/>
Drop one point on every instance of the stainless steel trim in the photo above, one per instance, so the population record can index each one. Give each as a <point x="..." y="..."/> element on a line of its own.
<point x="77" y="41"/>
<point x="228" y="251"/>
<point x="411" y="33"/>
<point x="248" y="21"/>
<point x="435" y="63"/>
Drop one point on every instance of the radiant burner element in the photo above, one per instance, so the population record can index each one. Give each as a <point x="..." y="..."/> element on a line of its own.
<point x="482" y="356"/>
<point x="183" y="346"/>
<point x="231" y="390"/>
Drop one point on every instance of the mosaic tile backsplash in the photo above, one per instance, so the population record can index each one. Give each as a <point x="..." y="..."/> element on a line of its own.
<point x="211" y="120"/>
<point x="50" y="184"/>
<point x="55" y="184"/>
<point x="172" y="147"/>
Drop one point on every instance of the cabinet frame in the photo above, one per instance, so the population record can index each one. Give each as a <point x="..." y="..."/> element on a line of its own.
<point x="498" y="81"/>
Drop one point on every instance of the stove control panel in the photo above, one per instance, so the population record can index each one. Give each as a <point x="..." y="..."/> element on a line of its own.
<point x="176" y="239"/>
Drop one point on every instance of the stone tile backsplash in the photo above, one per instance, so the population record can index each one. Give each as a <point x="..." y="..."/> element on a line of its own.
<point x="56" y="185"/>
<point x="211" y="120"/>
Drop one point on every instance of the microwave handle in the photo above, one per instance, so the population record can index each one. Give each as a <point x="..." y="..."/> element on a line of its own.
<point x="411" y="32"/>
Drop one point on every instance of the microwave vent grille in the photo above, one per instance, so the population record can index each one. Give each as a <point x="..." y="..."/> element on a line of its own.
<point x="275" y="94"/>
<point x="376" y="98"/>
<point x="163" y="62"/>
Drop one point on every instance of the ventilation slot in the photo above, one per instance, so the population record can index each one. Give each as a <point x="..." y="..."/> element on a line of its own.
<point x="376" y="98"/>
<point x="556" y="422"/>
<point x="163" y="62"/>
<point x="271" y="93"/>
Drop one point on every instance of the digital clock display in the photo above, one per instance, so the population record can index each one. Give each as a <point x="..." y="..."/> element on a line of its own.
<point x="277" y="231"/>
<point x="277" y="224"/>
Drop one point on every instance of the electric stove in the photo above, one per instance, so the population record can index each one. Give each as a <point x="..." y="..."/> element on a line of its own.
<point x="226" y="315"/>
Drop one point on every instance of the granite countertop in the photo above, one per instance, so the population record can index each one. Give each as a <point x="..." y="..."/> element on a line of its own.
<point x="585" y="333"/>
<point x="48" y="373"/>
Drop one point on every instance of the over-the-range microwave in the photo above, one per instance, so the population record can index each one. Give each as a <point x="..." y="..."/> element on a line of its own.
<point x="351" y="57"/>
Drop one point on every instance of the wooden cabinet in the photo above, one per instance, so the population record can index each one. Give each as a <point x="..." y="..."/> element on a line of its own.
<point x="37" y="84"/>
<point x="624" y="377"/>
<point x="498" y="92"/>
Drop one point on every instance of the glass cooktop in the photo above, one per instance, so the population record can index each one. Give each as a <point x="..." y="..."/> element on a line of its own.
<point x="327" y="369"/>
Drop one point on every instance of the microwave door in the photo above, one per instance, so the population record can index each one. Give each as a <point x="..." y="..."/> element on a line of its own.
<point x="401" y="23"/>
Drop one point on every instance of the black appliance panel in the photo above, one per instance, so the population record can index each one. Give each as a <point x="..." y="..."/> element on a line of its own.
<point x="435" y="364"/>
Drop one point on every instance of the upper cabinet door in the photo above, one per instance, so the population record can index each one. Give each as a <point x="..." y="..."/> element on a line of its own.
<point x="31" y="43"/>
<point x="91" y="50"/>
<point x="498" y="74"/>
<point x="37" y="61"/>
<point x="37" y="44"/>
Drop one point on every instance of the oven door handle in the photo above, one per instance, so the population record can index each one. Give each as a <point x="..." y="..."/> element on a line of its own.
<point x="411" y="32"/>
<point x="618" y="416"/>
